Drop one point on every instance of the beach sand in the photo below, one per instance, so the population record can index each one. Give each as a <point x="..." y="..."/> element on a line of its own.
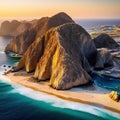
<point x="91" y="95"/>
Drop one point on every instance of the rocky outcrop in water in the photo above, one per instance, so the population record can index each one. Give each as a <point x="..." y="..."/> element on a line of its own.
<point x="65" y="60"/>
<point x="105" y="41"/>
<point x="9" y="28"/>
<point x="59" y="51"/>
<point x="38" y="29"/>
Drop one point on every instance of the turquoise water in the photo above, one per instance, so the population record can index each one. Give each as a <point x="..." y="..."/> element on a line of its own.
<point x="20" y="103"/>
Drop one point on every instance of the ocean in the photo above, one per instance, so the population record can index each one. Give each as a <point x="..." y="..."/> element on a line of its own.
<point x="88" y="23"/>
<point x="20" y="103"/>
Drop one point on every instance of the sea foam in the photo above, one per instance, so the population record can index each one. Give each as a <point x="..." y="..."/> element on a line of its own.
<point x="57" y="102"/>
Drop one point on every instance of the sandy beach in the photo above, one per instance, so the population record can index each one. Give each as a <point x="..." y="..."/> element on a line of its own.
<point x="87" y="95"/>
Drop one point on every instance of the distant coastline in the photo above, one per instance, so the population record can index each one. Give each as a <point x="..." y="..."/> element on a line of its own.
<point x="88" y="23"/>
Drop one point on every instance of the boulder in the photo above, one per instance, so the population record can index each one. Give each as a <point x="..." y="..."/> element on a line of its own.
<point x="65" y="60"/>
<point x="103" y="59"/>
<point x="114" y="96"/>
<point x="105" y="41"/>
<point x="35" y="50"/>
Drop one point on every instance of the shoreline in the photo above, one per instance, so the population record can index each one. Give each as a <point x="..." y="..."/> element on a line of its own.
<point x="92" y="95"/>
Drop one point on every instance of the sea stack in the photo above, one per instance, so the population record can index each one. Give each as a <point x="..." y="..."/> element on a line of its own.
<point x="65" y="61"/>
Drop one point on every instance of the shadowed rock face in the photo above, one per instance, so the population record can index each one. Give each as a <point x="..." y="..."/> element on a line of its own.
<point x="19" y="43"/>
<point x="105" y="41"/>
<point x="65" y="59"/>
<point x="34" y="52"/>
<point x="39" y="28"/>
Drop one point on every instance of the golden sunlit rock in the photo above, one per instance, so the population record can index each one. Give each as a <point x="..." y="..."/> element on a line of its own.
<point x="65" y="59"/>
<point x="34" y="52"/>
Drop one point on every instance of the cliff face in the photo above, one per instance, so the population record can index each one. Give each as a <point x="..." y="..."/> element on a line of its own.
<point x="40" y="27"/>
<point x="20" y="43"/>
<point x="14" y="28"/>
<point x="65" y="60"/>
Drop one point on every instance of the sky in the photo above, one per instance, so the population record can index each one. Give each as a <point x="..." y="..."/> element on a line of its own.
<point x="87" y="9"/>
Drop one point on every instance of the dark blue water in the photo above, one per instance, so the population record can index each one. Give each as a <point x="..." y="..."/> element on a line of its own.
<point x="107" y="83"/>
<point x="88" y="23"/>
<point x="20" y="103"/>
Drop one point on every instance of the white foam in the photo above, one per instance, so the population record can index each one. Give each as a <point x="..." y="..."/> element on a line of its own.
<point x="57" y="102"/>
<point x="2" y="52"/>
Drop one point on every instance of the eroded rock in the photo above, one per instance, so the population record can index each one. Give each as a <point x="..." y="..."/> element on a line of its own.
<point x="103" y="60"/>
<point x="65" y="60"/>
<point x="105" y="41"/>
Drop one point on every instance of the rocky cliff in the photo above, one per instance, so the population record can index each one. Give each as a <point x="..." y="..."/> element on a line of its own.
<point x="34" y="51"/>
<point x="40" y="27"/>
<point x="65" y="60"/>
<point x="58" y="50"/>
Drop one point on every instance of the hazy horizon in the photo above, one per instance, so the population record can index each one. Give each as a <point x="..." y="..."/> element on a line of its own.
<point x="88" y="9"/>
<point x="33" y="18"/>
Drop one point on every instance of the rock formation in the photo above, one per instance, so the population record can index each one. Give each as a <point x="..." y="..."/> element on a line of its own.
<point x="58" y="50"/>
<point x="40" y="27"/>
<point x="105" y="41"/>
<point x="9" y="28"/>
<point x="103" y="59"/>
<point x="65" y="60"/>
<point x="34" y="52"/>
